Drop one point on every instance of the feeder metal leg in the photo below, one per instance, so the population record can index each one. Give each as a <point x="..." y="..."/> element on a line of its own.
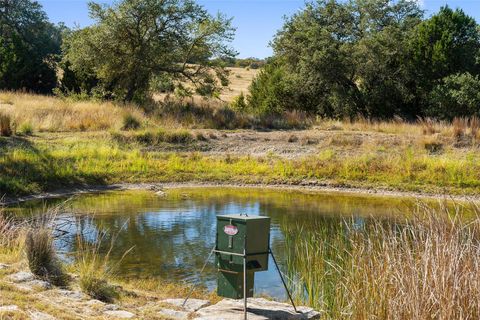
<point x="245" y="286"/>
<point x="283" y="281"/>
<point x="201" y="271"/>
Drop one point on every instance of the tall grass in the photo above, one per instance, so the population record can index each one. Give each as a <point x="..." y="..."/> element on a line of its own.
<point x="5" y="125"/>
<point x="45" y="113"/>
<point x="10" y="232"/>
<point x="42" y="258"/>
<point x="424" y="268"/>
<point x="94" y="267"/>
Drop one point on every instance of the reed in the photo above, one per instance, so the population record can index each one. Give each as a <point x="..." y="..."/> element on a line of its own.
<point x="94" y="266"/>
<point x="423" y="268"/>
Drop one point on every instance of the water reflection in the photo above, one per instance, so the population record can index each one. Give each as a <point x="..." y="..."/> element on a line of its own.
<point x="171" y="236"/>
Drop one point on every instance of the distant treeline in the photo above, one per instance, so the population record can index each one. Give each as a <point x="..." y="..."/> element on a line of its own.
<point x="252" y="63"/>
<point x="375" y="58"/>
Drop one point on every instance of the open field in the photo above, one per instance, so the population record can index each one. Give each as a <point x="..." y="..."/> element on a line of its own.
<point x="240" y="79"/>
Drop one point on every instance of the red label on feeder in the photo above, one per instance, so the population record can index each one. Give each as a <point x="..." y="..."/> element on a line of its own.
<point x="230" y="230"/>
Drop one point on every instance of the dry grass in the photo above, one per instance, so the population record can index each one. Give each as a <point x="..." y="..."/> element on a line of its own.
<point x="5" y="125"/>
<point x="424" y="268"/>
<point x="240" y="80"/>
<point x="45" y="113"/>
<point x="42" y="258"/>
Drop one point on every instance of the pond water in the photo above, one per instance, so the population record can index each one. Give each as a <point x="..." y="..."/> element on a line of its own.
<point x="172" y="235"/>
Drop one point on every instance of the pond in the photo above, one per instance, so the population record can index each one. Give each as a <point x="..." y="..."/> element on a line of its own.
<point x="171" y="235"/>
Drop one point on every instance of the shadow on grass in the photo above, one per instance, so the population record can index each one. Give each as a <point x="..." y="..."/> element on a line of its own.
<point x="25" y="169"/>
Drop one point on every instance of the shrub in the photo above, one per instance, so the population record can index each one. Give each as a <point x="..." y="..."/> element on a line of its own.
<point x="238" y="103"/>
<point x="5" y="125"/>
<point x="42" y="258"/>
<point x="26" y="129"/>
<point x="457" y="96"/>
<point x="130" y="122"/>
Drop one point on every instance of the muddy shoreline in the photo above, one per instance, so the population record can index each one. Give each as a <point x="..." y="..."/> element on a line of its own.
<point x="320" y="188"/>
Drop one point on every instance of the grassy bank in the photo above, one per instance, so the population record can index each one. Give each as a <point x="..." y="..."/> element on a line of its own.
<point x="46" y="162"/>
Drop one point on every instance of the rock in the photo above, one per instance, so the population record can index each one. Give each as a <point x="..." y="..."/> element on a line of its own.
<point x="160" y="193"/>
<point x="34" y="285"/>
<point x="191" y="305"/>
<point x="258" y="309"/>
<point x="76" y="295"/>
<point x="94" y="302"/>
<point x="21" y="276"/>
<point x="37" y="315"/>
<point x="111" y="307"/>
<point x="174" y="314"/>
<point x="9" y="308"/>
<point x="4" y="266"/>
<point x="121" y="314"/>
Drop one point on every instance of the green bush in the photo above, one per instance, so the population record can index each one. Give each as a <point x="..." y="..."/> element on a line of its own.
<point x="457" y="96"/>
<point x="239" y="103"/>
<point x="130" y="122"/>
<point x="269" y="91"/>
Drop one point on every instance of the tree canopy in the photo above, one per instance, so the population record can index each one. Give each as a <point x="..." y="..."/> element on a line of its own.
<point x="29" y="44"/>
<point x="134" y="41"/>
<point x="375" y="58"/>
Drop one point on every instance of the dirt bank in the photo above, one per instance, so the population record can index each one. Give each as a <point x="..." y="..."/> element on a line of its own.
<point x="307" y="187"/>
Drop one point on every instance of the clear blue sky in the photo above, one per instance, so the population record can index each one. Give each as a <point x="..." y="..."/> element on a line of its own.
<point x="256" y="20"/>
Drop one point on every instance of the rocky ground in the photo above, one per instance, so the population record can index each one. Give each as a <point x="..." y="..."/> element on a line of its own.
<point x="22" y="296"/>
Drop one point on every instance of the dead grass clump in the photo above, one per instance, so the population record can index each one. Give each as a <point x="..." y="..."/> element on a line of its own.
<point x="42" y="258"/>
<point x="459" y="127"/>
<point x="94" y="267"/>
<point x="130" y="122"/>
<point x="428" y="125"/>
<point x="5" y="125"/>
<point x="474" y="124"/>
<point x="9" y="231"/>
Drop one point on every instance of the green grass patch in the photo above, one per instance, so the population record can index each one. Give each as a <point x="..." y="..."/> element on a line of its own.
<point x="38" y="164"/>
